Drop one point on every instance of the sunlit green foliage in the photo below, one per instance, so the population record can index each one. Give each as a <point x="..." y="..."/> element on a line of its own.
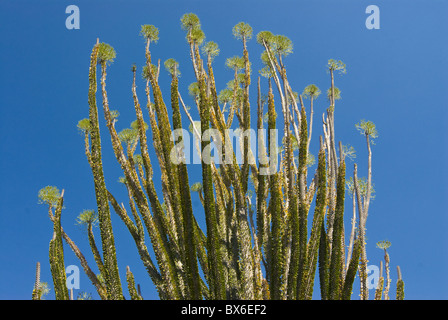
<point x="87" y="217"/>
<point x="235" y="62"/>
<point x="211" y="49"/>
<point x="49" y="195"/>
<point x="242" y="31"/>
<point x="282" y="45"/>
<point x="367" y="128"/>
<point x="149" y="32"/>
<point x="311" y="91"/>
<point x="84" y="125"/>
<point x="172" y="66"/>
<point x="337" y="94"/>
<point x="190" y="21"/>
<point x="336" y="65"/>
<point x="384" y="244"/>
<point x="106" y="54"/>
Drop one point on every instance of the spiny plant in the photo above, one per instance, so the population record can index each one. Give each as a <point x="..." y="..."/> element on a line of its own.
<point x="384" y="244"/>
<point x="41" y="289"/>
<point x="260" y="241"/>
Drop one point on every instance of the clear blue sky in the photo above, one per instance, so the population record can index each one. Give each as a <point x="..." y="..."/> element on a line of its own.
<point x="396" y="77"/>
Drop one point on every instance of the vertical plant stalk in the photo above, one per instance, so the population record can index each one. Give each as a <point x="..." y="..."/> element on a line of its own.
<point x="246" y="117"/>
<point x="303" y="206"/>
<point x="112" y="277"/>
<point x="141" y="247"/>
<point x="276" y="262"/>
<point x="166" y="144"/>
<point x="337" y="258"/>
<point x="217" y="280"/>
<point x="318" y="220"/>
<point x="400" y="285"/>
<point x="262" y="218"/>
<point x="56" y="254"/>
<point x="229" y="227"/>
<point x="298" y="218"/>
<point x="361" y="234"/>
<point x="95" y="251"/>
<point x="363" y="209"/>
<point x="88" y="271"/>
<point x="324" y="261"/>
<point x="131" y="285"/>
<point x="37" y="291"/>
<point x="380" y="286"/>
<point x="351" y="271"/>
<point x="161" y="228"/>
<point x="353" y="228"/>
<point x="192" y="271"/>
<point x="388" y="280"/>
